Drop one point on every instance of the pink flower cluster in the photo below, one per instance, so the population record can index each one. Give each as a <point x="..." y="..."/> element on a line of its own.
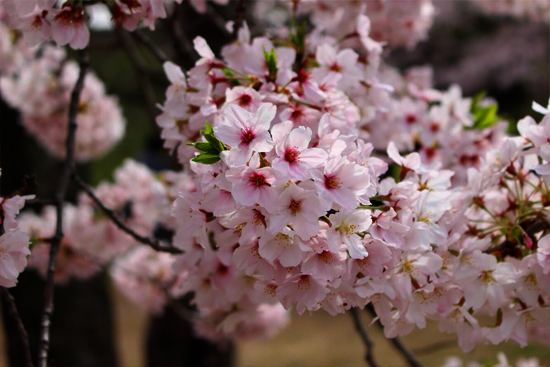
<point x="536" y="10"/>
<point x="40" y="88"/>
<point x="293" y="207"/>
<point x="91" y="240"/>
<point x="502" y="362"/>
<point x="65" y="22"/>
<point x="14" y="242"/>
<point x="399" y="23"/>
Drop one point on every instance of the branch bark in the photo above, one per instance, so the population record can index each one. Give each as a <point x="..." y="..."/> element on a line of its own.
<point x="369" y="346"/>
<point x="396" y="342"/>
<point x="59" y="198"/>
<point x="9" y="303"/>
<point x="153" y="243"/>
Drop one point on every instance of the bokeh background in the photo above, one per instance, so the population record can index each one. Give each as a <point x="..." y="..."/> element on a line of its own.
<point x="93" y="325"/>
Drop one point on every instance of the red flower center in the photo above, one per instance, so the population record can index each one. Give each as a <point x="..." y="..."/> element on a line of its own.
<point x="245" y="100"/>
<point x="292" y="155"/>
<point x="332" y="182"/>
<point x="335" y="67"/>
<point x="258" y="180"/>
<point x="295" y="206"/>
<point x="247" y="135"/>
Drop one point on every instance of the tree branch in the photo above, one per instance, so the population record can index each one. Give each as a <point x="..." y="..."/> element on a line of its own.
<point x="396" y="342"/>
<point x="9" y="303"/>
<point x="157" y="51"/>
<point x="44" y="344"/>
<point x="141" y="73"/>
<point x="153" y="243"/>
<point x="239" y="18"/>
<point x="369" y="346"/>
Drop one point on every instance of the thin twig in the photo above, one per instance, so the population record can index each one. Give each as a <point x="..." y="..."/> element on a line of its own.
<point x="184" y="49"/>
<point x="153" y="243"/>
<point x="396" y="342"/>
<point x="68" y="167"/>
<point x="157" y="51"/>
<point x="239" y="17"/>
<point x="9" y="303"/>
<point x="141" y="73"/>
<point x="217" y="19"/>
<point x="435" y="347"/>
<point x="369" y="346"/>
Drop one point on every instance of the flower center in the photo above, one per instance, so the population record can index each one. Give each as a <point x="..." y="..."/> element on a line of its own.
<point x="292" y="155"/>
<point x="245" y="100"/>
<point x="295" y="206"/>
<point x="247" y="135"/>
<point x="332" y="182"/>
<point x="303" y="283"/>
<point x="335" y="67"/>
<point x="346" y="229"/>
<point x="486" y="277"/>
<point x="258" y="180"/>
<point x="283" y="240"/>
<point x="3" y="253"/>
<point x="326" y="257"/>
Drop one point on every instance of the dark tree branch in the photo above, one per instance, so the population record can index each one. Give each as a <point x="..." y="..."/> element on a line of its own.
<point x="153" y="243"/>
<point x="217" y="19"/>
<point x="44" y="344"/>
<point x="435" y="347"/>
<point x="184" y="48"/>
<point x="396" y="342"/>
<point x="239" y="18"/>
<point x="9" y="303"/>
<point x="141" y="73"/>
<point x="369" y="346"/>
<point x="157" y="51"/>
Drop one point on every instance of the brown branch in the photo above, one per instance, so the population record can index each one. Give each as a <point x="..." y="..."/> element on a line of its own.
<point x="184" y="48"/>
<point x="396" y="342"/>
<point x="153" y="243"/>
<point x="9" y="303"/>
<point x="44" y="344"/>
<point x="435" y="347"/>
<point x="157" y="51"/>
<point x="239" y="17"/>
<point x="369" y="346"/>
<point x="141" y="73"/>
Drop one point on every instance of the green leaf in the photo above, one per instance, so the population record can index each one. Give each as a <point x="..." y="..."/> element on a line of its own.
<point x="206" y="147"/>
<point x="298" y="38"/>
<point x="271" y="62"/>
<point x="484" y="116"/>
<point x="206" y="158"/>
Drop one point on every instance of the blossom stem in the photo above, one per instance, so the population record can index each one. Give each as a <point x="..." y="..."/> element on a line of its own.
<point x="68" y="166"/>
<point x="153" y="243"/>
<point x="9" y="303"/>
<point x="369" y="346"/>
<point x="396" y="342"/>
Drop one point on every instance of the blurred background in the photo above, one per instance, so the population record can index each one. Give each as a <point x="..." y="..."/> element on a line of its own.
<point x="93" y="325"/>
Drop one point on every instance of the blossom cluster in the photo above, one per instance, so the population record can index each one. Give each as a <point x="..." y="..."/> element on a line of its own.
<point x="293" y="204"/>
<point x="315" y="177"/>
<point x="536" y="10"/>
<point x="502" y="362"/>
<point x="66" y="22"/>
<point x="92" y="242"/>
<point x="40" y="88"/>
<point x="14" y="241"/>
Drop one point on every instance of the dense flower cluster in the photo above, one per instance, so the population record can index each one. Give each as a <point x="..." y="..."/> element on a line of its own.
<point x="502" y="362"/>
<point x="289" y="195"/>
<point x="537" y="10"/>
<point x="14" y="242"/>
<point x="66" y="22"/>
<point x="316" y="177"/>
<point x="40" y="88"/>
